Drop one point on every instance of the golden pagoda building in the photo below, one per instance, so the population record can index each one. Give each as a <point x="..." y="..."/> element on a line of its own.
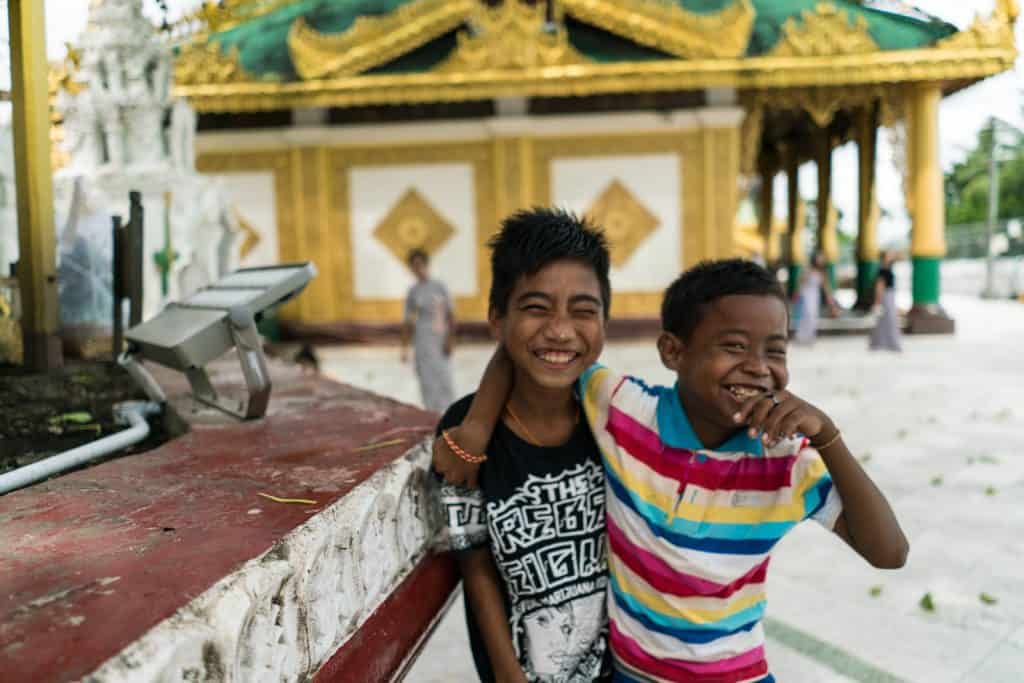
<point x="349" y="132"/>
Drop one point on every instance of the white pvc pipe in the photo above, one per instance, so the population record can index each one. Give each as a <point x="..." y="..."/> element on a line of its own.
<point x="137" y="431"/>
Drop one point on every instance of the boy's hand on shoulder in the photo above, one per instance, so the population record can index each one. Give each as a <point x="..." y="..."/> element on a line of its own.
<point x="454" y="469"/>
<point x="781" y="414"/>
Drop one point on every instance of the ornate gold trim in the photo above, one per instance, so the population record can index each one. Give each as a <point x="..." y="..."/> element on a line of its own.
<point x="850" y="71"/>
<point x="372" y="41"/>
<point x="821" y="103"/>
<point x="666" y="26"/>
<point x="511" y="37"/>
<point x="205" y="64"/>
<point x="213" y="16"/>
<point x="995" y="30"/>
<point x="825" y="32"/>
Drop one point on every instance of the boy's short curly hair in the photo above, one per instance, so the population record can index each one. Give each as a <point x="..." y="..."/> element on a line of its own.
<point x="687" y="299"/>
<point x="531" y="239"/>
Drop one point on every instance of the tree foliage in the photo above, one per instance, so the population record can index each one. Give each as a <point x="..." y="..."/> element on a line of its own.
<point x="967" y="184"/>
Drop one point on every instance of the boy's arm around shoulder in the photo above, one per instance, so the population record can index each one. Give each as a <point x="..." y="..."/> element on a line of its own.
<point x="475" y="431"/>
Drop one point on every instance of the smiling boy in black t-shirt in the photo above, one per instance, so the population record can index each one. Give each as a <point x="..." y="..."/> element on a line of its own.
<point x="531" y="538"/>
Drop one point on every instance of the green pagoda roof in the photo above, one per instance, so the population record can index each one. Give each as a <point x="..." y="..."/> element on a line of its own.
<point x="262" y="41"/>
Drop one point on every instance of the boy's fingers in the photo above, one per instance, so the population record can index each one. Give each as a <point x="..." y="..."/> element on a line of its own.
<point x="761" y="409"/>
<point x="791" y="424"/>
<point x="774" y="426"/>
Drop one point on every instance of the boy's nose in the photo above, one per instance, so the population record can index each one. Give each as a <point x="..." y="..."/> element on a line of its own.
<point x="756" y="364"/>
<point x="560" y="329"/>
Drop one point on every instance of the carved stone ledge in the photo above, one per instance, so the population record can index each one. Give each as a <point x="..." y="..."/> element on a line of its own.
<point x="280" y="616"/>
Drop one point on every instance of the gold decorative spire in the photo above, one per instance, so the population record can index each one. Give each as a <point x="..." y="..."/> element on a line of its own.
<point x="993" y="31"/>
<point x="668" y="27"/>
<point x="825" y="32"/>
<point x="371" y="41"/>
<point x="511" y="36"/>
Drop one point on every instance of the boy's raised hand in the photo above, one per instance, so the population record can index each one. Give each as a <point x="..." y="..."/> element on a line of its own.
<point x="780" y="414"/>
<point x="454" y="469"/>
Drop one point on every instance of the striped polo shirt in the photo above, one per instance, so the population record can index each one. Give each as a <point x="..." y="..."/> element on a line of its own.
<point x="690" y="533"/>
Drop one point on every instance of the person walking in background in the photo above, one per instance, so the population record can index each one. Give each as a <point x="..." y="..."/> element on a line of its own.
<point x="430" y="325"/>
<point x="813" y="286"/>
<point x="886" y="335"/>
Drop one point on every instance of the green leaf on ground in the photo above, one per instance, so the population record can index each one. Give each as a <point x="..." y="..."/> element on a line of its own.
<point x="937" y="480"/>
<point x="987" y="599"/>
<point x="902" y="434"/>
<point x="875" y="591"/>
<point x="866" y="458"/>
<point x="927" y="603"/>
<point x="988" y="459"/>
<point x="990" y="491"/>
<point x="971" y="460"/>
<point x="932" y="420"/>
<point x="80" y="417"/>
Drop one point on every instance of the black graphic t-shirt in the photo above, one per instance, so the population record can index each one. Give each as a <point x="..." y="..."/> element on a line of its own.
<point x="541" y="513"/>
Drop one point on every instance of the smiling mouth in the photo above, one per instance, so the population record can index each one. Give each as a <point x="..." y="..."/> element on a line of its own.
<point x="557" y="358"/>
<point x="742" y="392"/>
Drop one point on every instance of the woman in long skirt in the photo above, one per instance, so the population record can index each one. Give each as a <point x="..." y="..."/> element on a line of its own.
<point x="886" y="335"/>
<point x="430" y="323"/>
<point x="813" y="286"/>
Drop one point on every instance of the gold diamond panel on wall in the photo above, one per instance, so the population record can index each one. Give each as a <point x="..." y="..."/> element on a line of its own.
<point x="412" y="223"/>
<point x="626" y="222"/>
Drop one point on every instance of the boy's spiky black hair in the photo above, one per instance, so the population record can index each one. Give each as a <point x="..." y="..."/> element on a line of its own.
<point x="687" y="299"/>
<point x="531" y="239"/>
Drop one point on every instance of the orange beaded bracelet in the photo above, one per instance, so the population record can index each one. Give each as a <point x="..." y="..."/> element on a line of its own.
<point x="458" y="451"/>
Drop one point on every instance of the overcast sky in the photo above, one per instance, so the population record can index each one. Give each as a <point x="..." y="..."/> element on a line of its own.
<point x="962" y="115"/>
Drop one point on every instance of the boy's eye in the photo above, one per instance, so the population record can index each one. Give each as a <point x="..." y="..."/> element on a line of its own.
<point x="585" y="312"/>
<point x="734" y="346"/>
<point x="534" y="307"/>
<point x="777" y="352"/>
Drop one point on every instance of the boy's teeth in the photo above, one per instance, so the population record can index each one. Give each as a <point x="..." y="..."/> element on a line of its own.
<point x="557" y="357"/>
<point x="744" y="392"/>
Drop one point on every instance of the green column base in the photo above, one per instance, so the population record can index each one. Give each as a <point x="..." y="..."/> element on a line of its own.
<point x="867" y="272"/>
<point x="926" y="280"/>
<point x="830" y="273"/>
<point x="794" y="278"/>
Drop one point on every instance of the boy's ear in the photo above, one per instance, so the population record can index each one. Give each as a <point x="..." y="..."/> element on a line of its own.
<point x="671" y="349"/>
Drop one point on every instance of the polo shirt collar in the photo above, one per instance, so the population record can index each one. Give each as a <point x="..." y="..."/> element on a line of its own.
<point x="676" y="431"/>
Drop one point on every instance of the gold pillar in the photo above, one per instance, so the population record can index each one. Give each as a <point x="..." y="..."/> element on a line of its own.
<point x="929" y="219"/>
<point x="37" y="266"/>
<point x="867" y="204"/>
<point x="721" y="169"/>
<point x="766" y="215"/>
<point x="928" y="240"/>
<point x="795" y="249"/>
<point x="827" y="242"/>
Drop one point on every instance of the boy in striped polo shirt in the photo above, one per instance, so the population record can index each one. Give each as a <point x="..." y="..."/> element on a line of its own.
<point x="703" y="478"/>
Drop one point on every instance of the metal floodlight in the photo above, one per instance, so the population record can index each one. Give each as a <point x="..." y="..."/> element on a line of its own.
<point x="188" y="334"/>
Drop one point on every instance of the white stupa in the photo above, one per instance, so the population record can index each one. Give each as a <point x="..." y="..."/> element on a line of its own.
<point x="124" y="131"/>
